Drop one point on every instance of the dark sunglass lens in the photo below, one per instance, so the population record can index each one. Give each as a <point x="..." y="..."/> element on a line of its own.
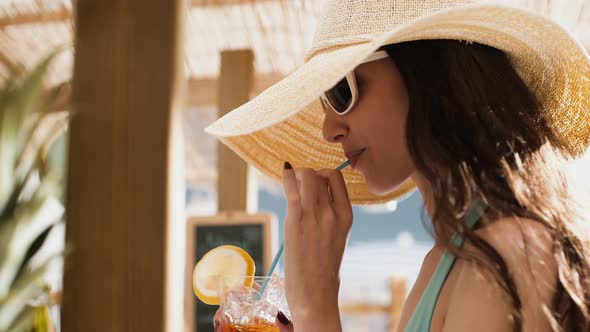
<point x="340" y="96"/>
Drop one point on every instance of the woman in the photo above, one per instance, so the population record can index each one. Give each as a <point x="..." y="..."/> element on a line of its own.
<point x="483" y="129"/>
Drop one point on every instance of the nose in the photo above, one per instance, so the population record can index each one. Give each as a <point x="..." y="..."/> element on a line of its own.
<point x="334" y="128"/>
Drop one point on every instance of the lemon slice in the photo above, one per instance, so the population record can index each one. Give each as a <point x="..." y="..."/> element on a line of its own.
<point x="228" y="264"/>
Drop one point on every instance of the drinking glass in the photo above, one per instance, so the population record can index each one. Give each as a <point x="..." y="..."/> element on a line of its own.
<point x="244" y="309"/>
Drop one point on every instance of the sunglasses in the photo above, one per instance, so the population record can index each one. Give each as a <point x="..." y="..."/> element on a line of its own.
<point x="343" y="96"/>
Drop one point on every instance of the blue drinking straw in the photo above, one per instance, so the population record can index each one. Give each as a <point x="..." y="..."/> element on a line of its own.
<point x="275" y="261"/>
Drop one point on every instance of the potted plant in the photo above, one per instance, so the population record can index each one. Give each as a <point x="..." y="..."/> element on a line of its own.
<point x="31" y="179"/>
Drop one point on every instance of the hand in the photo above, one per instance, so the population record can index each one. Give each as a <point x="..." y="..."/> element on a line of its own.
<point x="284" y="324"/>
<point x="318" y="221"/>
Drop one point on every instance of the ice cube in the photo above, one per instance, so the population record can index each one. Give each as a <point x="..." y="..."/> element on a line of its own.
<point x="274" y="295"/>
<point x="237" y="303"/>
<point x="244" y="306"/>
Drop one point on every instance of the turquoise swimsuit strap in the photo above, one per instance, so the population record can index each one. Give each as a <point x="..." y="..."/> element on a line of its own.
<point x="422" y="316"/>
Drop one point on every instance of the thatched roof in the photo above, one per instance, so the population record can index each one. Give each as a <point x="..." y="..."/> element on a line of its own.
<point x="279" y="32"/>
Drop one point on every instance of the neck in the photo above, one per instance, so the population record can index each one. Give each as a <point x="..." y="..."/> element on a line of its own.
<point x="426" y="191"/>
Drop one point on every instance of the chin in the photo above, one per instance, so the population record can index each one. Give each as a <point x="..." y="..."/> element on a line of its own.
<point x="383" y="187"/>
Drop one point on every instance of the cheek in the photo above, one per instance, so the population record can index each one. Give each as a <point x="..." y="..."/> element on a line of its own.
<point x="385" y="108"/>
<point x="392" y="164"/>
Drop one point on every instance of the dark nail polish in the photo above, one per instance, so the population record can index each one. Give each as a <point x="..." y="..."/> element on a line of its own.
<point x="283" y="319"/>
<point x="288" y="165"/>
<point x="215" y="324"/>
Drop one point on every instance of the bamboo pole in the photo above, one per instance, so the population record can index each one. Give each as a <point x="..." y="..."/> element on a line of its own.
<point x="124" y="197"/>
<point x="236" y="185"/>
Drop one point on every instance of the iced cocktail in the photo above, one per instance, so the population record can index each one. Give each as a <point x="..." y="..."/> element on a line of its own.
<point x="224" y="276"/>
<point x="245" y="309"/>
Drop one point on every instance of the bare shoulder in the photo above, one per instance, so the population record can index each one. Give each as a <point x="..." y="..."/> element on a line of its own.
<point x="527" y="248"/>
<point x="517" y="238"/>
<point x="525" y="245"/>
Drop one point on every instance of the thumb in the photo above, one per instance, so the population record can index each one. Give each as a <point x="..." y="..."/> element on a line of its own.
<point x="284" y="323"/>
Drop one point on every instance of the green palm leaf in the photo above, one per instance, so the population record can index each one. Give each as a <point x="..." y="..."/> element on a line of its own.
<point x="31" y="181"/>
<point x="18" y="233"/>
<point x="20" y="297"/>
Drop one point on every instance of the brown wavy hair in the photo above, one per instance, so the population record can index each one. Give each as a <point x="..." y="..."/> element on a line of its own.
<point x="475" y="130"/>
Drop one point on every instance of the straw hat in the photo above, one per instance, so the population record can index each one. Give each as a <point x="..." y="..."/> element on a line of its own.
<point x="284" y="122"/>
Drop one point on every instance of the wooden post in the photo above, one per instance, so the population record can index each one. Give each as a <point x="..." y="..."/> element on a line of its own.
<point x="236" y="186"/>
<point x="398" y="298"/>
<point x="125" y="198"/>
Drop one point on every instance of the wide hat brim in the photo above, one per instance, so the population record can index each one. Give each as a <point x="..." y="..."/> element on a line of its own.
<point x="284" y="122"/>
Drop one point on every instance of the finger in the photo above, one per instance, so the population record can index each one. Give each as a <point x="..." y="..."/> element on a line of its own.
<point x="217" y="326"/>
<point x="294" y="211"/>
<point x="283" y="322"/>
<point x="256" y="286"/>
<point x="308" y="190"/>
<point x="338" y="189"/>
<point x="324" y="199"/>
<point x="217" y="315"/>
<point x="325" y="175"/>
<point x="291" y="187"/>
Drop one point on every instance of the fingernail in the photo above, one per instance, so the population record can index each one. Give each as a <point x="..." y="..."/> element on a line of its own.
<point x="283" y="319"/>
<point x="215" y="324"/>
<point x="288" y="165"/>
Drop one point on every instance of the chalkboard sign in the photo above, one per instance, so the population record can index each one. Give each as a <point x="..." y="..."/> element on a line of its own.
<point x="255" y="233"/>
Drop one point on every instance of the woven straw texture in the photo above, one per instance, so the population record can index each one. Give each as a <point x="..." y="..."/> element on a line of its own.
<point x="284" y="122"/>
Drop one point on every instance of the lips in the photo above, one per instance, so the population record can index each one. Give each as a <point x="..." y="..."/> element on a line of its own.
<point x="352" y="154"/>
